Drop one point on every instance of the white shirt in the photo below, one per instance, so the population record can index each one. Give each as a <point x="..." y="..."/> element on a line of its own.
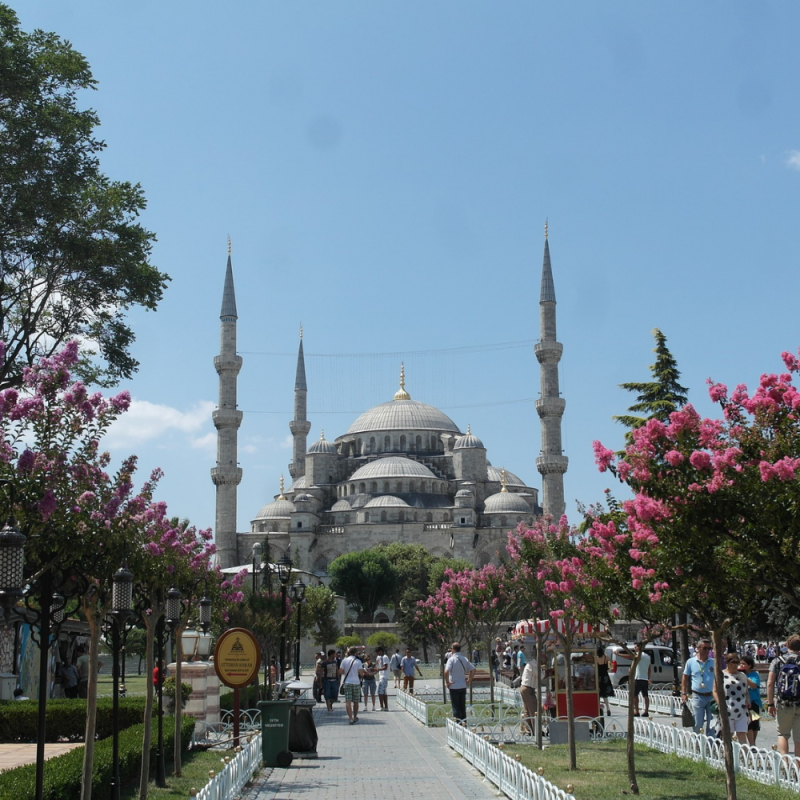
<point x="350" y="667"/>
<point x="457" y="669"/>
<point x="643" y="668"/>
<point x="380" y="663"/>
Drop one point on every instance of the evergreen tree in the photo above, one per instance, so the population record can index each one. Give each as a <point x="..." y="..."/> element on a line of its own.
<point x="657" y="398"/>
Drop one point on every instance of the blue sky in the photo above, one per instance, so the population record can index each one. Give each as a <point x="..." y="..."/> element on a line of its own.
<point x="385" y="170"/>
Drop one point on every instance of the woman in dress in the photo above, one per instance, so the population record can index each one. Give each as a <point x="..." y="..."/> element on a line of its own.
<point x="605" y="688"/>
<point x="736" y="698"/>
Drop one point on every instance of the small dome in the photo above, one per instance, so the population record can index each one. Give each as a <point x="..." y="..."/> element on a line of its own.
<point x="464" y="493"/>
<point x="323" y="446"/>
<point x="392" y="467"/>
<point x="302" y="498"/>
<point x="341" y="505"/>
<point x="300" y="483"/>
<point x="495" y="474"/>
<point x="277" y="509"/>
<point x="506" y="503"/>
<point x="468" y="441"/>
<point x="385" y="501"/>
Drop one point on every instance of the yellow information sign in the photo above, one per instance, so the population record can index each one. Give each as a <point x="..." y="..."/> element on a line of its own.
<point x="237" y="658"/>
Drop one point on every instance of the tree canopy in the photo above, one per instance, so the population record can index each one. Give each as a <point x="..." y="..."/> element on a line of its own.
<point x="73" y="258"/>
<point x="365" y="579"/>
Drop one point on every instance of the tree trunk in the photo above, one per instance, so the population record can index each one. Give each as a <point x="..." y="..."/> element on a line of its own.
<point x="573" y="755"/>
<point x="178" y="701"/>
<point x="539" y="647"/>
<point x="93" y="617"/>
<point x="629" y="749"/>
<point x="730" y="773"/>
<point x="150" y="622"/>
<point x="489" y="652"/>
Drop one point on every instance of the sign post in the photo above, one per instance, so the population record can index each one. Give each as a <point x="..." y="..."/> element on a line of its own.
<point x="237" y="658"/>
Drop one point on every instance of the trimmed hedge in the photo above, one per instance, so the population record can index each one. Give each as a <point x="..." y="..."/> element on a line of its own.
<point x="66" y="719"/>
<point x="62" y="775"/>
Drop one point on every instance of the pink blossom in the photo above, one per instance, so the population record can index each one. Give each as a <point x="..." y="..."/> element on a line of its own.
<point x="699" y="459"/>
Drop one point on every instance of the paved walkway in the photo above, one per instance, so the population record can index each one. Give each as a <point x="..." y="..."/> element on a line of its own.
<point x="386" y="755"/>
<point x="15" y="755"/>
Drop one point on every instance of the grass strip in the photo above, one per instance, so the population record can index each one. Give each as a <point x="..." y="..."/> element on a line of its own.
<point x="194" y="775"/>
<point x="602" y="774"/>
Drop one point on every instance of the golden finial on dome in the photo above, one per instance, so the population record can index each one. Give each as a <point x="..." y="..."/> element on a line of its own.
<point x="322" y="435"/>
<point x="545" y="228"/>
<point x="503" y="480"/>
<point x="401" y="393"/>
<point x="282" y="496"/>
<point x="469" y="429"/>
<point x="229" y="244"/>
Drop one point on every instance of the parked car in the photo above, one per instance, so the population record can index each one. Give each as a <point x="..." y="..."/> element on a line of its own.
<point x="661" y="671"/>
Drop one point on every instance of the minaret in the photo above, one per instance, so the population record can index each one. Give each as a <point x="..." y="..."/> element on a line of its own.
<point x="552" y="463"/>
<point x="227" y="475"/>
<point x="299" y="426"/>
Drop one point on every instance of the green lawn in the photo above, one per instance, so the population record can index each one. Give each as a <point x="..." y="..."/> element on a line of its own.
<point x="196" y="766"/>
<point x="602" y="774"/>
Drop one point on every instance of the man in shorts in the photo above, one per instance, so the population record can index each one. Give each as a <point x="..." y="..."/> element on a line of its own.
<point x="394" y="666"/>
<point x="786" y="713"/>
<point x="330" y="679"/>
<point x="352" y="669"/>
<point x="382" y="673"/>
<point x="641" y="680"/>
<point x="408" y="665"/>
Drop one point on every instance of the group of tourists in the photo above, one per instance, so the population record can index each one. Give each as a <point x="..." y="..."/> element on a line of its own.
<point x="741" y="693"/>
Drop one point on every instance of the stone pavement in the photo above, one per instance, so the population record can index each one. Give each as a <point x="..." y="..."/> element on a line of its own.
<point x="15" y="755"/>
<point x="386" y="755"/>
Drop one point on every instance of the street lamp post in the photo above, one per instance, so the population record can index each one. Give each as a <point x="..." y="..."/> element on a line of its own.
<point x="284" y="567"/>
<point x="171" y="618"/>
<point x="298" y="596"/>
<point x="121" y="609"/>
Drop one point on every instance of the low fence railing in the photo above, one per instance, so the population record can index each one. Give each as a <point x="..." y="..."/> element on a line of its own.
<point x="514" y="780"/>
<point x="662" y="701"/>
<point x="228" y="782"/>
<point x="212" y="734"/>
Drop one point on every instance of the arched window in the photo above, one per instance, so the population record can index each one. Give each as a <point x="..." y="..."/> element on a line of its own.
<point x="372" y="444"/>
<point x="402" y="516"/>
<point x="386" y="487"/>
<point x="433" y="443"/>
<point x="502" y="521"/>
<point x="373" y="487"/>
<point x="399" y="486"/>
<point x="362" y="487"/>
<point x="387" y="443"/>
<point x="383" y="516"/>
<point x="419" y="442"/>
<point x="352" y="488"/>
<point x="423" y="486"/>
<point x="402" y="443"/>
<point x="366" y="516"/>
<point x="429" y="517"/>
<point x="346" y="519"/>
<point x="412" y="486"/>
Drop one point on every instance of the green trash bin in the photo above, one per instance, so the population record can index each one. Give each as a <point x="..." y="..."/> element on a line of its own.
<point x="275" y="732"/>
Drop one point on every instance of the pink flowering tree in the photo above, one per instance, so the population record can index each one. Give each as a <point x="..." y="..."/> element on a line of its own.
<point x="715" y="500"/>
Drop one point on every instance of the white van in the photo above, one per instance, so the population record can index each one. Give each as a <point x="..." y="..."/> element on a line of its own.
<point x="661" y="668"/>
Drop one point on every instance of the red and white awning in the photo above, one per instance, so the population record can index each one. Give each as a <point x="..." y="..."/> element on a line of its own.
<point x="527" y="627"/>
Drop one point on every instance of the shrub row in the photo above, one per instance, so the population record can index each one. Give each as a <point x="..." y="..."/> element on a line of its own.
<point x="66" y="719"/>
<point x="62" y="775"/>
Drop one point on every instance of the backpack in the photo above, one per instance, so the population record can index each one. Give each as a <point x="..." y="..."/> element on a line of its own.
<point x="788" y="683"/>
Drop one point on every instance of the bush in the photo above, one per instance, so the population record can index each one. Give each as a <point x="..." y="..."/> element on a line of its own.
<point x="383" y="639"/>
<point x="343" y="642"/>
<point x="66" y="719"/>
<point x="62" y="775"/>
<point x="169" y="690"/>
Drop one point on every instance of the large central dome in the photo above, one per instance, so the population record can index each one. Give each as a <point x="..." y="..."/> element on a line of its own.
<point x="400" y="415"/>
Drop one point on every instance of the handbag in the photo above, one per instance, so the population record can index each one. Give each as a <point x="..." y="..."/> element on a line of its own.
<point x="687" y="718"/>
<point x="341" y="688"/>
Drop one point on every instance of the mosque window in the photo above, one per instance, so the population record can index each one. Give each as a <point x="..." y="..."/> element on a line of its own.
<point x="402" y="443"/>
<point x="362" y="487"/>
<point x="402" y="516"/>
<point x="502" y="521"/>
<point x="463" y="520"/>
<point x="429" y="517"/>
<point x="399" y="486"/>
<point x="412" y="486"/>
<point x="352" y="488"/>
<point x="386" y="486"/>
<point x="346" y="519"/>
<point x="419" y="442"/>
<point x="372" y="444"/>
<point x="299" y="524"/>
<point x="387" y="443"/>
<point x="383" y="516"/>
<point x="373" y="487"/>
<point x="366" y="516"/>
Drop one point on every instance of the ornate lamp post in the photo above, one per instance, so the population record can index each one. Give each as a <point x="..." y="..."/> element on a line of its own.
<point x="171" y="618"/>
<point x="298" y="596"/>
<point x="121" y="609"/>
<point x="12" y="558"/>
<point x="284" y="567"/>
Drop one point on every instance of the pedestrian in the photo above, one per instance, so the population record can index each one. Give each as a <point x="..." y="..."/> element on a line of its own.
<point x="521" y="660"/>
<point x="496" y="665"/>
<point x="783" y="695"/>
<point x="698" y="678"/>
<point x="353" y="670"/>
<point x="458" y="672"/>
<point x="476" y="656"/>
<point x="82" y="665"/>
<point x="408" y="664"/>
<point x="369" y="684"/>
<point x="330" y="680"/>
<point x="382" y="668"/>
<point x="734" y="695"/>
<point x="394" y="665"/>
<point x="527" y="692"/>
<point x="515" y="663"/>
<point x="754" y="691"/>
<point x="604" y="686"/>
<point x="69" y="675"/>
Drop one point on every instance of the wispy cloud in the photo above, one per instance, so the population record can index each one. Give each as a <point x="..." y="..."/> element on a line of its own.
<point x="793" y="159"/>
<point x="146" y="421"/>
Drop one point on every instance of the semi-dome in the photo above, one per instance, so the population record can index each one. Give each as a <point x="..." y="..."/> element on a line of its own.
<point x="341" y="505"/>
<point x="300" y="483"/>
<point x="322" y="446"/>
<point x="468" y="441"/>
<point x="277" y="509"/>
<point x="506" y="503"/>
<point x="495" y="474"/>
<point x="386" y="501"/>
<point x="392" y="467"/>
<point x="302" y="498"/>
<point x="464" y="493"/>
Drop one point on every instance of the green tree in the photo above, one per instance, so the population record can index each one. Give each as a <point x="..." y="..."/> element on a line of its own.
<point x="659" y="397"/>
<point x="384" y="639"/>
<point x="365" y="579"/>
<point x="344" y="643"/>
<point x="73" y="258"/>
<point x="320" y="611"/>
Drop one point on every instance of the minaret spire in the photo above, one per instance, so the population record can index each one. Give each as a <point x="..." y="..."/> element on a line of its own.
<point x="299" y="426"/>
<point x="552" y="463"/>
<point x="227" y="418"/>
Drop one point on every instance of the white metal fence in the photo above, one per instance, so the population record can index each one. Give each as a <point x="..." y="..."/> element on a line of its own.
<point x="229" y="781"/>
<point x="514" y="780"/>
